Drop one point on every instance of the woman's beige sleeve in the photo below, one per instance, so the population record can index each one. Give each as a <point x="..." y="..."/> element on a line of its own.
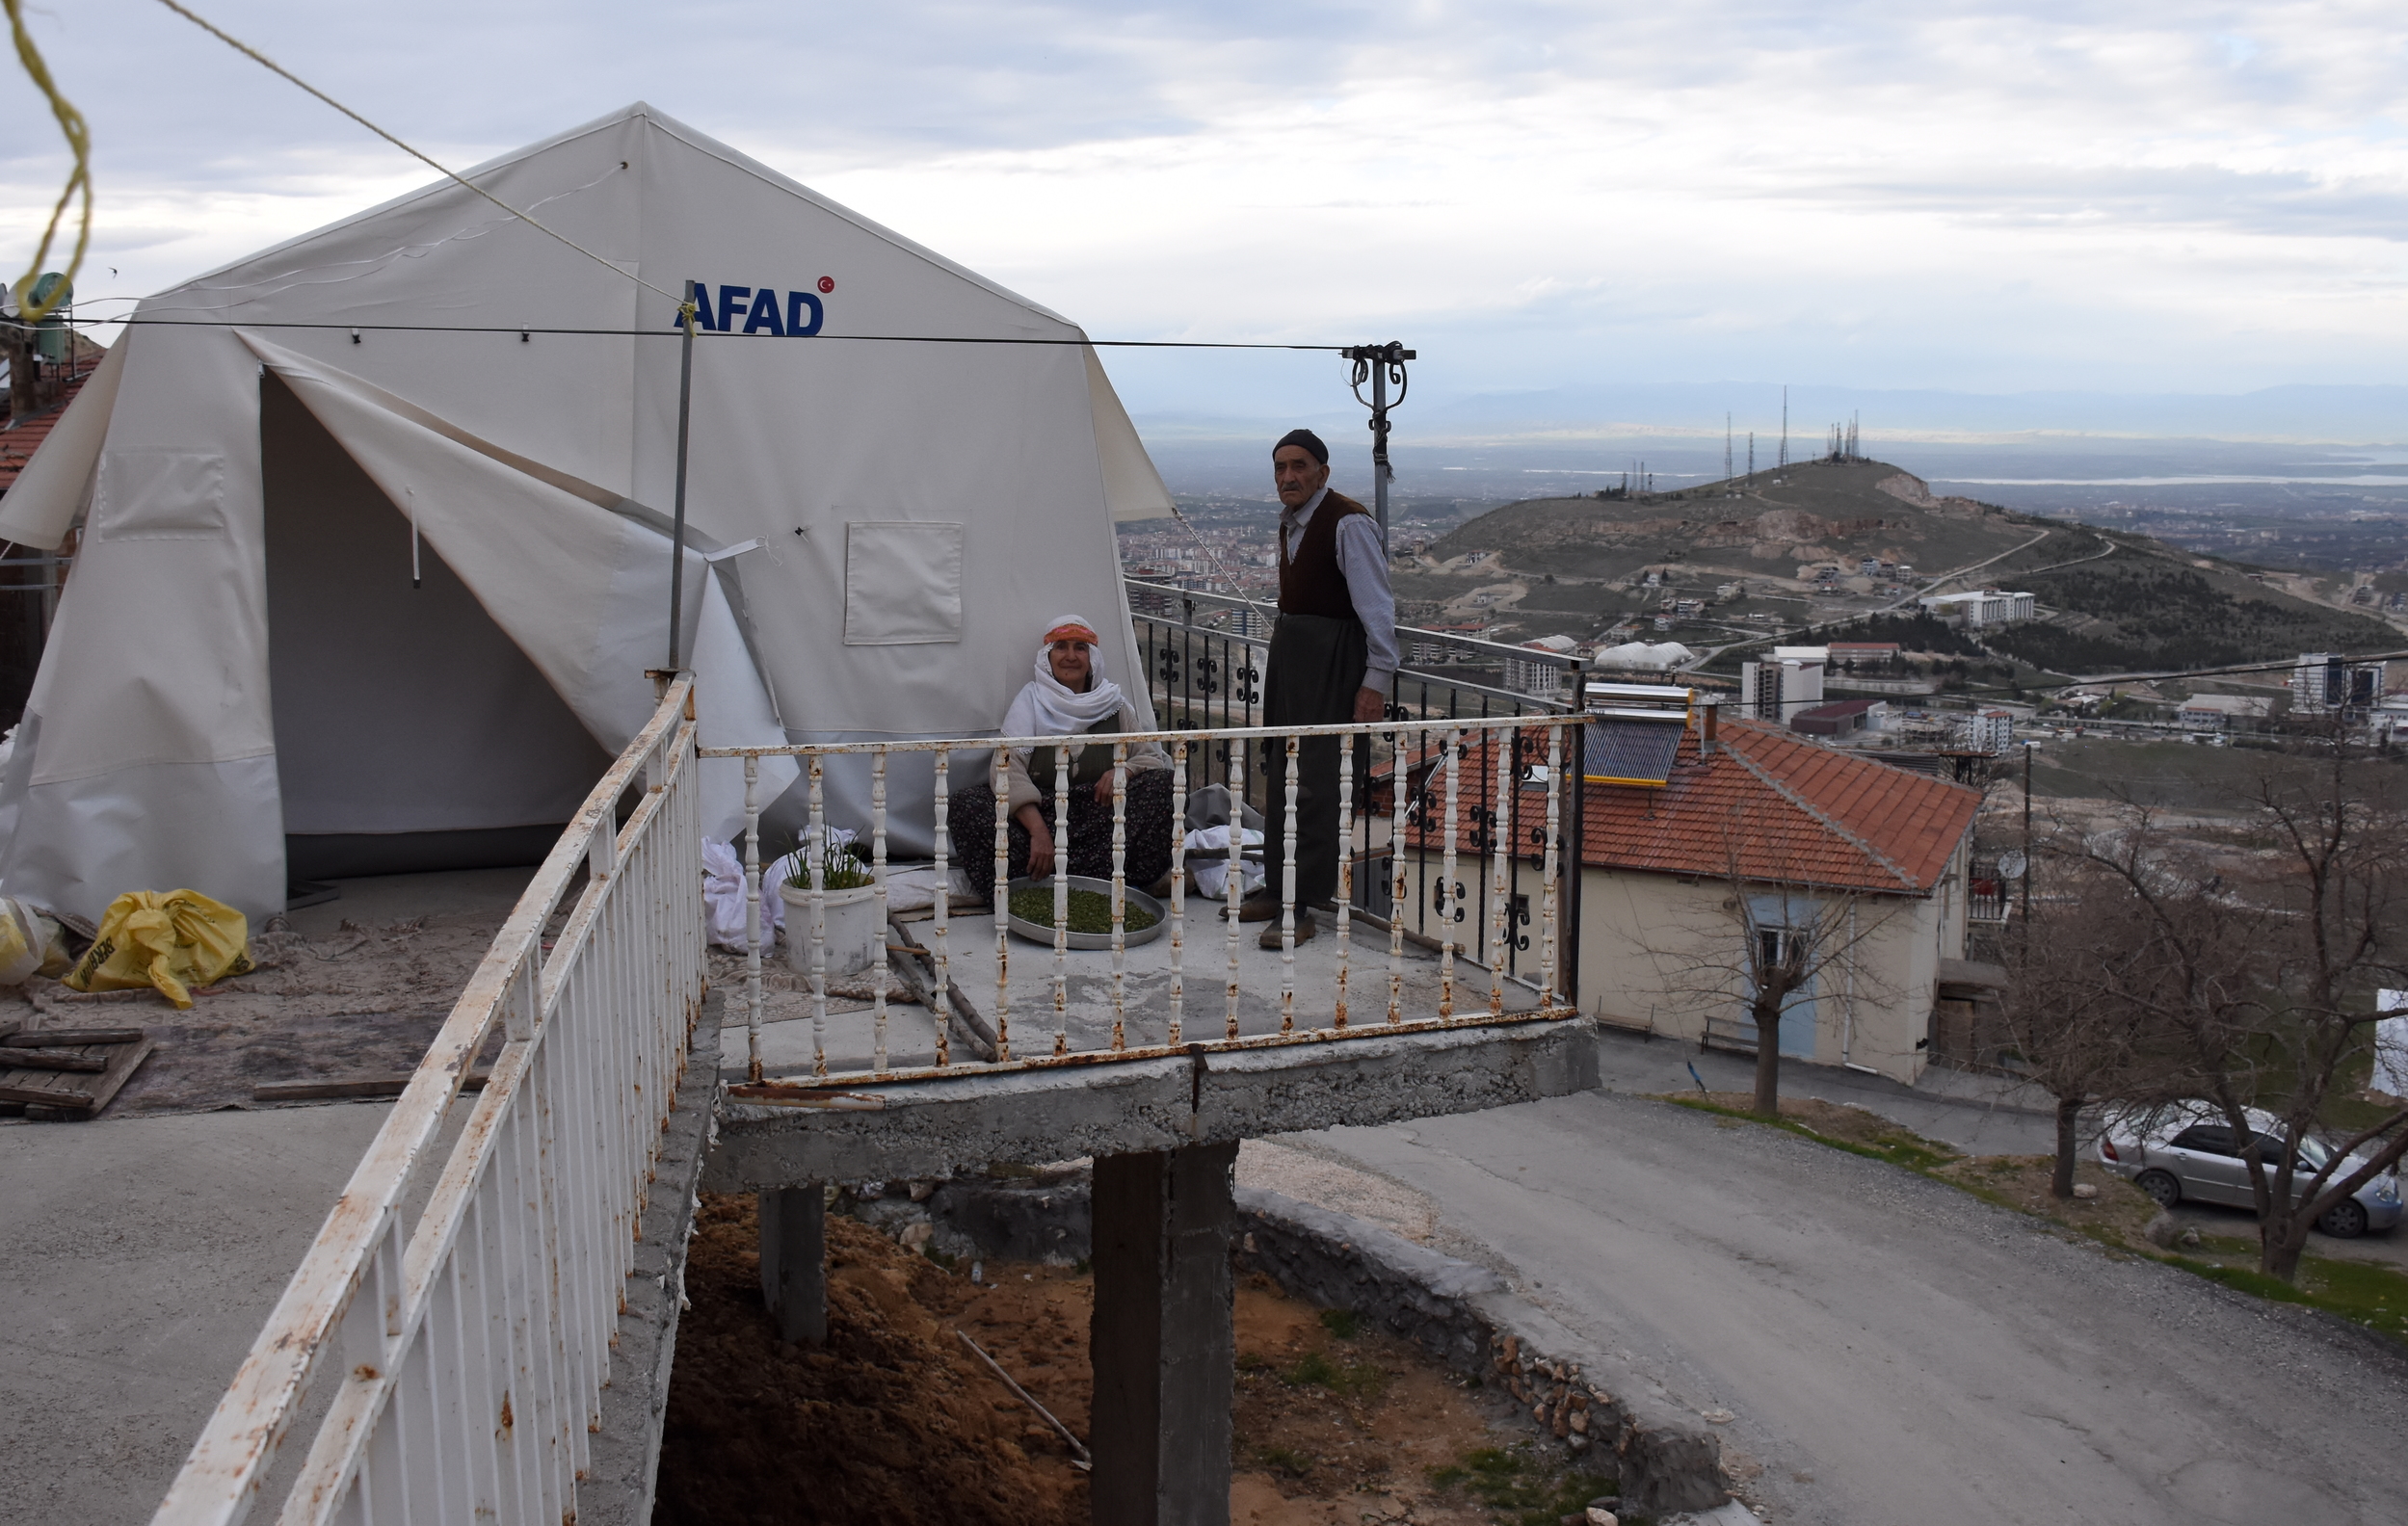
<point x="1022" y="791"/>
<point x="1141" y="756"/>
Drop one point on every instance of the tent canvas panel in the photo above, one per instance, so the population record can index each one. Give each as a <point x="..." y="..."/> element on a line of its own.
<point x="520" y="450"/>
<point x="397" y="709"/>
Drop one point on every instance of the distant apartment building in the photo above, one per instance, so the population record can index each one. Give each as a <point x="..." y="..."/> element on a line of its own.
<point x="1863" y="656"/>
<point x="1249" y="623"/>
<point x="1991" y="731"/>
<point x="1781" y="688"/>
<point x="2325" y="682"/>
<point x="1430" y="645"/>
<point x="1984" y="607"/>
<point x="1531" y="676"/>
<point x="2216" y="712"/>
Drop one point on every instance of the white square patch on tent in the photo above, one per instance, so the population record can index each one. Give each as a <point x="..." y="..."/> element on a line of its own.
<point x="151" y="494"/>
<point x="902" y="583"/>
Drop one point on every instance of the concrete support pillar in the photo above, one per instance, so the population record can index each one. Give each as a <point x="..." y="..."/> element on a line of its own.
<point x="1163" y="1342"/>
<point x="794" y="1262"/>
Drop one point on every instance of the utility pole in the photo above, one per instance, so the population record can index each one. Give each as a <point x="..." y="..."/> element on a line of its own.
<point x="2027" y="837"/>
<point x="1751" y="453"/>
<point x="1726" y="450"/>
<point x="1379" y="365"/>
<point x="1785" y="425"/>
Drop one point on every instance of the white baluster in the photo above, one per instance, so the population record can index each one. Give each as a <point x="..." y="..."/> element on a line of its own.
<point x="1288" y="901"/>
<point x="817" y="858"/>
<point x="1236" y="887"/>
<point x="1345" y="864"/>
<point x="1501" y="756"/>
<point x="1062" y="899"/>
<point x="945" y="905"/>
<point x="1549" y="977"/>
<point x="1178" y="887"/>
<point x="1120" y="895"/>
<point x="752" y="918"/>
<point x="1450" y="899"/>
<point x="877" y="902"/>
<point x="1003" y="905"/>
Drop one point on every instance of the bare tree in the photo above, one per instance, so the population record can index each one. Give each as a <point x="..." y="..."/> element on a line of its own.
<point x="1784" y="936"/>
<point x="2267" y="981"/>
<point x="2068" y="1011"/>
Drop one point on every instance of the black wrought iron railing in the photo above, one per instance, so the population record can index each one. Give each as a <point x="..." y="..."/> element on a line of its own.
<point x="1206" y="656"/>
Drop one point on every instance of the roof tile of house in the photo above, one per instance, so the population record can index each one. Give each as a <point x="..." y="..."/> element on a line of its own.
<point x="1767" y="807"/>
<point x="18" y="442"/>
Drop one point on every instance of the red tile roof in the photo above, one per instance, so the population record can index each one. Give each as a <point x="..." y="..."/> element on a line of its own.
<point x="17" y="442"/>
<point x="1767" y="805"/>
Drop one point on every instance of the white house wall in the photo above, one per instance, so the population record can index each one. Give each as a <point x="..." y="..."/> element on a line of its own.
<point x="1640" y="932"/>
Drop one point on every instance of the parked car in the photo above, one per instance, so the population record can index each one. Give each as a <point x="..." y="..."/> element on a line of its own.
<point x="2185" y="1153"/>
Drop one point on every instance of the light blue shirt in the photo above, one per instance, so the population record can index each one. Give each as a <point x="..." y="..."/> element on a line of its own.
<point x="1362" y="556"/>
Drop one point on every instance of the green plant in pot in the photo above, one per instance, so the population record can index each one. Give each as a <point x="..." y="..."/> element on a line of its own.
<point x="847" y="900"/>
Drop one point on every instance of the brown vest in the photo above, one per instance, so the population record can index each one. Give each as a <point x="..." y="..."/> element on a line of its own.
<point x="1311" y="582"/>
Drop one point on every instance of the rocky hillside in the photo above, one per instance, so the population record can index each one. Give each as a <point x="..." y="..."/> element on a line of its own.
<point x="1773" y="524"/>
<point x="1760" y="553"/>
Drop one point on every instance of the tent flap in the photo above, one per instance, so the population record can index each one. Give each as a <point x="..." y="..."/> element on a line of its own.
<point x="1132" y="485"/>
<point x="41" y="507"/>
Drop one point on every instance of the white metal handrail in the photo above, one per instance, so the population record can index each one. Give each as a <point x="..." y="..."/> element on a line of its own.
<point x="475" y="1345"/>
<point x="1445" y="745"/>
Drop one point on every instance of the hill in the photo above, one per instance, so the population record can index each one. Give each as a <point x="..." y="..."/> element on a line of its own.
<point x="1783" y="550"/>
<point x="2144" y="604"/>
<point x="1767" y="525"/>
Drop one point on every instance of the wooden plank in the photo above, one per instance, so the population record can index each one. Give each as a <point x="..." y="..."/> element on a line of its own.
<point x="84" y="1057"/>
<point x="64" y="1094"/>
<point x="64" y="1038"/>
<point x="382" y="1084"/>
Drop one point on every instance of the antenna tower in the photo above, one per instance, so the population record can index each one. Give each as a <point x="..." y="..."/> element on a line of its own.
<point x="1726" y="447"/>
<point x="1785" y="425"/>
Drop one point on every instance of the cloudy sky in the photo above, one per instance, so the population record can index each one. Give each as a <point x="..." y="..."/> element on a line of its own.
<point x="2118" y="197"/>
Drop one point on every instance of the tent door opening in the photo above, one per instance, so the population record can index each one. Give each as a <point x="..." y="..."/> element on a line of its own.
<point x="411" y="733"/>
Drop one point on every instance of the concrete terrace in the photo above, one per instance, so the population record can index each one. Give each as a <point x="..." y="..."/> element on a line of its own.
<point x="1145" y="993"/>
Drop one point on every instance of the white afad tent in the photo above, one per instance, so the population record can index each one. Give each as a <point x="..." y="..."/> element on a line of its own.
<point x="375" y="558"/>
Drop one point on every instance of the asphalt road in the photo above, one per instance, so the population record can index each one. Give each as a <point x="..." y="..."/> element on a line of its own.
<point x="1896" y="1353"/>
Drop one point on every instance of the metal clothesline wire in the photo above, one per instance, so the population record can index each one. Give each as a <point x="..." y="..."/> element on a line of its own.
<point x="132" y="320"/>
<point x="272" y="65"/>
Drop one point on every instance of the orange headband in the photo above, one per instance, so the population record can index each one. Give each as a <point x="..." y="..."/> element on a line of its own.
<point x="1072" y="631"/>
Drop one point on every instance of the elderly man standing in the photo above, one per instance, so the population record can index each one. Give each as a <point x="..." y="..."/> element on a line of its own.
<point x="1332" y="655"/>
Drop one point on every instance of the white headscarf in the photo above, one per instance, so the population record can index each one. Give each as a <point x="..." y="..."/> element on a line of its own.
<point x="1046" y="708"/>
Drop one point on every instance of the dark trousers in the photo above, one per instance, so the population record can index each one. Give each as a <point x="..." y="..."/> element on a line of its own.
<point x="1316" y="670"/>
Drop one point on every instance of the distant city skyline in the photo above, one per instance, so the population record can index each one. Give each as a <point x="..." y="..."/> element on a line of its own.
<point x="1990" y="199"/>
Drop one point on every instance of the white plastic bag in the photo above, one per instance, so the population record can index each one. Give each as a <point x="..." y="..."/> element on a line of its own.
<point x="30" y="944"/>
<point x="1208" y="855"/>
<point x="723" y="898"/>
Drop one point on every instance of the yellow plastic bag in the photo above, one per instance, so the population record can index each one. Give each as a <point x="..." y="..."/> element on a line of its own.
<point x="172" y="941"/>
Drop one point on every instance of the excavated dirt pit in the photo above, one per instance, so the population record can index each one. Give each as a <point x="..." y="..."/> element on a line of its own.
<point x="896" y="1422"/>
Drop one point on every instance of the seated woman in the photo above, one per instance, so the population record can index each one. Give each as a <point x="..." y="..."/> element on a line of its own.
<point x="1068" y="697"/>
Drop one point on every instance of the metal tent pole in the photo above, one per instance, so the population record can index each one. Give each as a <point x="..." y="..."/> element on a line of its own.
<point x="677" y="528"/>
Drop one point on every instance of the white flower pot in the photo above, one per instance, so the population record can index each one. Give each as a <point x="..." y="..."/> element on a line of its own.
<point x="852" y="929"/>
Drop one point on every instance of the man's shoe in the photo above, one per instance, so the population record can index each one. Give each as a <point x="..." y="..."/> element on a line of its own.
<point x="1258" y="908"/>
<point x="1304" y="930"/>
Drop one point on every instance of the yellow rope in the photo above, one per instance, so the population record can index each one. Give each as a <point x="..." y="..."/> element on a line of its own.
<point x="79" y="141"/>
<point x="267" y="62"/>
